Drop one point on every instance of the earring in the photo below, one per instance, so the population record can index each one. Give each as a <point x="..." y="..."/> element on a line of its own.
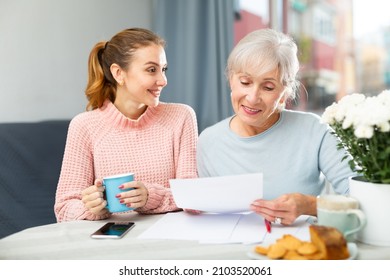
<point x="121" y="83"/>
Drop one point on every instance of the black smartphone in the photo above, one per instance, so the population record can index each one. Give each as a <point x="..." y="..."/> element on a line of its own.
<point x="113" y="230"/>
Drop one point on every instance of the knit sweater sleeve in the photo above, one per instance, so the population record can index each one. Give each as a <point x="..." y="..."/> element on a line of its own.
<point x="76" y="174"/>
<point x="185" y="133"/>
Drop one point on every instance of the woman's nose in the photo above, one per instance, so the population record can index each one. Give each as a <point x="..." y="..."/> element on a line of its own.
<point x="253" y="96"/>
<point x="162" y="80"/>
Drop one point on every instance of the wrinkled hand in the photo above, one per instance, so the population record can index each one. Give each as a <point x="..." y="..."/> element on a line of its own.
<point x="288" y="207"/>
<point x="92" y="197"/>
<point x="136" y="197"/>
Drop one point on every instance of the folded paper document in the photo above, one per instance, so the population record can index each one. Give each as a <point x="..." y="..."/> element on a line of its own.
<point x="224" y="194"/>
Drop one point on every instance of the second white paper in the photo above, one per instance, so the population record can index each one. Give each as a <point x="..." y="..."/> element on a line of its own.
<point x="208" y="228"/>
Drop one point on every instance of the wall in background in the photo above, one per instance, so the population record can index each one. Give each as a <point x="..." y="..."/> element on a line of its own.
<point x="44" y="48"/>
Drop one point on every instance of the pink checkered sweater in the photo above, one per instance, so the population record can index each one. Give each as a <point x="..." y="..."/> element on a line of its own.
<point x="159" y="146"/>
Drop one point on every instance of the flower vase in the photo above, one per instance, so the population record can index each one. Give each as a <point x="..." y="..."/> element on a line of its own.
<point x="374" y="199"/>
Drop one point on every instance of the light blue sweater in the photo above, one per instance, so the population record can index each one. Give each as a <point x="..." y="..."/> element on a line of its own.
<point x="292" y="155"/>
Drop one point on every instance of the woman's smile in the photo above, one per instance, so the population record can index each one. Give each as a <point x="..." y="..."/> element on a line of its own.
<point x="155" y="92"/>
<point x="250" y="111"/>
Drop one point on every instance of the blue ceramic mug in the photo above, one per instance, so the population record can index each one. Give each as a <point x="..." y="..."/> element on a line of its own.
<point x="111" y="185"/>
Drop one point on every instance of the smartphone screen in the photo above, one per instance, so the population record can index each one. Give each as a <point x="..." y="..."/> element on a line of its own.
<point x="113" y="230"/>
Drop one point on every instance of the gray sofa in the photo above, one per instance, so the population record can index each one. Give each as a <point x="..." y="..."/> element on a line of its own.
<point x="30" y="163"/>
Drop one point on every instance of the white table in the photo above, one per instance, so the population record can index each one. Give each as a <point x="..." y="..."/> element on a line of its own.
<point x="72" y="241"/>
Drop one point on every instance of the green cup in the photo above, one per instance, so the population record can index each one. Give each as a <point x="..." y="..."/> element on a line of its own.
<point x="341" y="212"/>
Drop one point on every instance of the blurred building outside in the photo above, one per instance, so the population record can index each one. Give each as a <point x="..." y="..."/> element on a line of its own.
<point x="333" y="62"/>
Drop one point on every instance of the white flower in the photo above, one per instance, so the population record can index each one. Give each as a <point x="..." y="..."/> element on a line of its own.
<point x="329" y="115"/>
<point x="384" y="127"/>
<point x="364" y="131"/>
<point x="347" y="106"/>
<point x="348" y="121"/>
<point x="352" y="99"/>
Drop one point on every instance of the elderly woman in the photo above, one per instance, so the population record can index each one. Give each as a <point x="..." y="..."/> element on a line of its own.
<point x="295" y="151"/>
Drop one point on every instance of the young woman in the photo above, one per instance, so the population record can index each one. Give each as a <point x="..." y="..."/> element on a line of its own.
<point x="126" y="129"/>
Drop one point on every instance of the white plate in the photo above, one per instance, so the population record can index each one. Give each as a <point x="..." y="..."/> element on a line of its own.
<point x="352" y="248"/>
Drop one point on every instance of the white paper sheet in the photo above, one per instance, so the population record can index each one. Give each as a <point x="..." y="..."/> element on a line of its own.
<point x="224" y="194"/>
<point x="208" y="228"/>
<point x="250" y="228"/>
<point x="222" y="228"/>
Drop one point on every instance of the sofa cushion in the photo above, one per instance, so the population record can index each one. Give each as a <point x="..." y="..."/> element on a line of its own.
<point x="30" y="158"/>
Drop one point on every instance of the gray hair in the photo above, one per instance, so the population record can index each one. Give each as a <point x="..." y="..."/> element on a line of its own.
<point x="265" y="50"/>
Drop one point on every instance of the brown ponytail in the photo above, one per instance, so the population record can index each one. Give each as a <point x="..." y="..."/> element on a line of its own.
<point x="98" y="87"/>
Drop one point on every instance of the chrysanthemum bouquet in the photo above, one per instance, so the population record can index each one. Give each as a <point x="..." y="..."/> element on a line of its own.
<point x="362" y="125"/>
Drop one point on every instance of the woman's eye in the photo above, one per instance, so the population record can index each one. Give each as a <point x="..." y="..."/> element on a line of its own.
<point x="152" y="70"/>
<point x="268" y="86"/>
<point x="245" y="83"/>
<point x="165" y="69"/>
